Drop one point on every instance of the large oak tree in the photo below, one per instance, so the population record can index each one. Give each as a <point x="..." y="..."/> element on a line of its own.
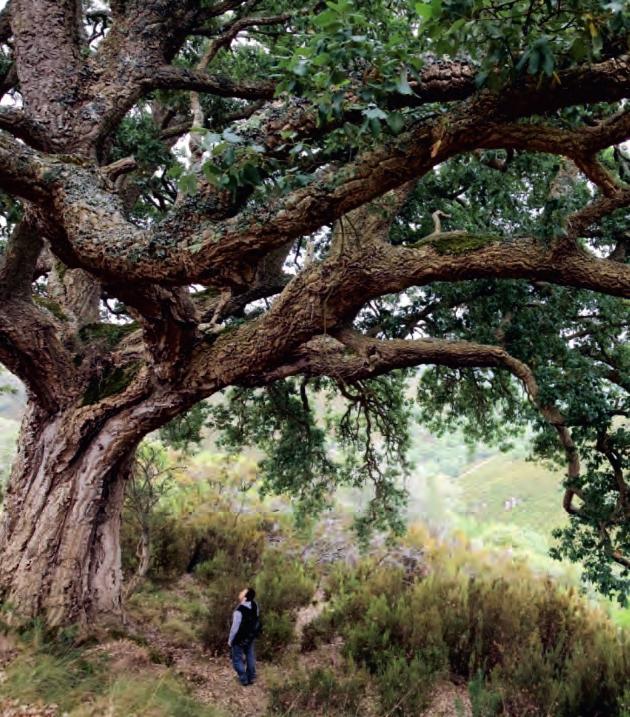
<point x="286" y="197"/>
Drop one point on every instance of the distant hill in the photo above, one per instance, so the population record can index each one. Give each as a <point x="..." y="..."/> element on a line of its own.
<point x="505" y="489"/>
<point x="453" y="480"/>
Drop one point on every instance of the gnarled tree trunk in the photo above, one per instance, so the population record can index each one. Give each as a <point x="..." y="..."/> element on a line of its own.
<point x="59" y="533"/>
<point x="101" y="377"/>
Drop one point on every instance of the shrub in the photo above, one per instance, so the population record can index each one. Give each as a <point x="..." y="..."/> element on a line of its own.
<point x="222" y="595"/>
<point x="179" y="632"/>
<point x="404" y="686"/>
<point x="283" y="583"/>
<point x="319" y="631"/>
<point x="283" y="586"/>
<point x="182" y="543"/>
<point x="277" y="635"/>
<point x="483" y="701"/>
<point x="540" y="650"/>
<point x="321" y="691"/>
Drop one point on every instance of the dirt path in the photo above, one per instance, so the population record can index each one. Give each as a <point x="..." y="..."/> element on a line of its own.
<point x="212" y="680"/>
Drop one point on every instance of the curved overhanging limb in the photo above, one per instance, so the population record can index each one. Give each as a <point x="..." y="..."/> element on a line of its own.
<point x="347" y="356"/>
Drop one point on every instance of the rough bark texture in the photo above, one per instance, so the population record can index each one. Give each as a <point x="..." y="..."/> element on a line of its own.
<point x="59" y="538"/>
<point x="95" y="389"/>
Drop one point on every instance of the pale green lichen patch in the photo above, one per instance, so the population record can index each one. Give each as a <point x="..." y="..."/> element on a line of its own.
<point x="112" y="381"/>
<point x="458" y="242"/>
<point x="110" y="334"/>
<point x="52" y="306"/>
<point x="61" y="269"/>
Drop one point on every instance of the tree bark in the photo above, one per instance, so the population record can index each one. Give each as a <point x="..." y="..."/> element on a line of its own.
<point x="59" y="533"/>
<point x="59" y="547"/>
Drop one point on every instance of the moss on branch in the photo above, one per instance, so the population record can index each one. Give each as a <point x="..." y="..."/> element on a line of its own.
<point x="110" y="334"/>
<point x="113" y="380"/>
<point x="458" y="242"/>
<point x="52" y="306"/>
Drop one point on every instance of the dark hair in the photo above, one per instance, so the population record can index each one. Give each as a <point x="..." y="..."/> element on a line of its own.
<point x="250" y="594"/>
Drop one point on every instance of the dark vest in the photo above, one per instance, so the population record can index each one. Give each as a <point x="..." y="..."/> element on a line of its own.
<point x="247" y="628"/>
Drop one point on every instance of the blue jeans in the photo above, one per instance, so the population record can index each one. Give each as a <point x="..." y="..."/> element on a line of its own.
<point x="244" y="653"/>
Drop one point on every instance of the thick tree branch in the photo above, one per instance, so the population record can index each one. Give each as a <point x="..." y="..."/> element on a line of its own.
<point x="22" y="126"/>
<point x="22" y="171"/>
<point x="48" y="60"/>
<point x="180" y="78"/>
<point x="579" y="222"/>
<point x="30" y="336"/>
<point x="598" y="174"/>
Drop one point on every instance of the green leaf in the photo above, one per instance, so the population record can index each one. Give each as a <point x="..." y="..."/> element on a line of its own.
<point x="323" y="58"/>
<point x="232" y="137"/>
<point x="396" y="122"/>
<point x="579" y="49"/>
<point x="211" y="170"/>
<point x="374" y="113"/>
<point x="250" y="174"/>
<point x="175" y="171"/>
<point x="326" y="19"/>
<point x="534" y="62"/>
<point x="210" y="139"/>
<point x="425" y="11"/>
<point x="548" y="62"/>
<point x="188" y="184"/>
<point x="301" y="68"/>
<point x="403" y="85"/>
<point x="229" y="156"/>
<point x="375" y="126"/>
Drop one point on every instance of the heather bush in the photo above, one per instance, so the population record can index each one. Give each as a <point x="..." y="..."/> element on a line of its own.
<point x="319" y="631"/>
<point x="184" y="542"/>
<point x="405" y="685"/>
<point x="221" y="596"/>
<point x="320" y="692"/>
<point x="284" y="585"/>
<point x="484" y="702"/>
<point x="538" y="649"/>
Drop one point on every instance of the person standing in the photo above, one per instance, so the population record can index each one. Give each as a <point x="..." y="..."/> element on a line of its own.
<point x="243" y="633"/>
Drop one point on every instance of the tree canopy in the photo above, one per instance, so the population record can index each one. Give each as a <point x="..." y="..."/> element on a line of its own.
<point x="299" y="204"/>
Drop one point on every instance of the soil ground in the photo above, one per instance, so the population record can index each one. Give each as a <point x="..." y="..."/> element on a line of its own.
<point x="211" y="679"/>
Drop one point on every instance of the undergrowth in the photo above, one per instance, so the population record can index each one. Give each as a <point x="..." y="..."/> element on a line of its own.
<point x="82" y="683"/>
<point x="527" y="648"/>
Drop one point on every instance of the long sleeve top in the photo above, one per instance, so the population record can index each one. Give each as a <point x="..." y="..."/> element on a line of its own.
<point x="236" y="622"/>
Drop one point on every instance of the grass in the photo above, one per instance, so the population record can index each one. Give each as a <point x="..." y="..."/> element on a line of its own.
<point x="83" y="684"/>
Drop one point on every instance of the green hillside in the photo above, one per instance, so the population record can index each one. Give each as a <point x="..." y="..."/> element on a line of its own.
<point x="512" y="490"/>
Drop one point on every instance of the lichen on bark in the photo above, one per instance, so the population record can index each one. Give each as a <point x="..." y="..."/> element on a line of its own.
<point x="457" y="243"/>
<point x="113" y="380"/>
<point x="109" y="334"/>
